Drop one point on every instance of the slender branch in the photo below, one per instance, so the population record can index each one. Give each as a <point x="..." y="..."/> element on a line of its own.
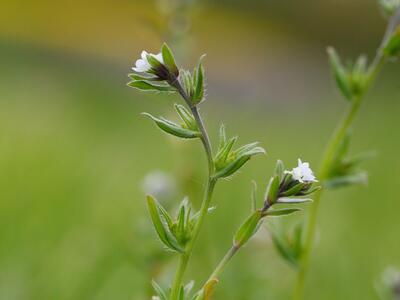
<point x="328" y="158"/>
<point x="184" y="259"/>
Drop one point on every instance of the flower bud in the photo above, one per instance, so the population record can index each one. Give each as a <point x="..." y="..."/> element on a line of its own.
<point x="187" y="130"/>
<point x="351" y="80"/>
<point x="389" y="7"/>
<point x="228" y="161"/>
<point x="159" y="67"/>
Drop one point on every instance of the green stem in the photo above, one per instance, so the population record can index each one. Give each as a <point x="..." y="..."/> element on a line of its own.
<point x="326" y="165"/>
<point x="324" y="171"/>
<point x="185" y="257"/>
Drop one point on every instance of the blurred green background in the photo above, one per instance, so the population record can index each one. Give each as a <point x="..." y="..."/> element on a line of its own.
<point x="76" y="157"/>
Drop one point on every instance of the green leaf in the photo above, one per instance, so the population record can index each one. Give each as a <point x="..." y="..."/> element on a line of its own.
<point x="283" y="247"/>
<point x="392" y="47"/>
<point x="310" y="191"/>
<point x="169" y="59"/>
<point x="273" y="190"/>
<point x="281" y="212"/>
<point x="247" y="229"/>
<point x="159" y="290"/>
<point x="141" y="77"/>
<point x="146" y="86"/>
<point x="340" y="74"/>
<point x="280" y="169"/>
<point x="173" y="128"/>
<point x="162" y="231"/>
<point x="199" y="83"/>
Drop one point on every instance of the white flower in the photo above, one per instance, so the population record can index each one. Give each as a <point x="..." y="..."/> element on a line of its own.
<point x="303" y="173"/>
<point x="155" y="298"/>
<point x="142" y="65"/>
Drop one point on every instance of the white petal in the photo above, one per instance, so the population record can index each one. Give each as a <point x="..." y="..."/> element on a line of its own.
<point x="159" y="57"/>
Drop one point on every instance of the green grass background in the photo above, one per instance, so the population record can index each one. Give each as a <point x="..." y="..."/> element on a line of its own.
<point x="74" y="150"/>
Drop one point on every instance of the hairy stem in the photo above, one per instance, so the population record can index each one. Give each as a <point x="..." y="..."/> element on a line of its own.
<point x="328" y="158"/>
<point x="185" y="257"/>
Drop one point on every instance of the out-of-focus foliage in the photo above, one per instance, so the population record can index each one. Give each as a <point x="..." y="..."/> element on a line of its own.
<point x="74" y="149"/>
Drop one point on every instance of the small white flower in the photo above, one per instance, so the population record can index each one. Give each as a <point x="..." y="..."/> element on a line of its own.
<point x="142" y="65"/>
<point x="155" y="298"/>
<point x="303" y="173"/>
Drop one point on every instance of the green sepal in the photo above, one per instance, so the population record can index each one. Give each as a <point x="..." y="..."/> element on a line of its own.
<point x="198" y="82"/>
<point x="273" y="190"/>
<point x="294" y="190"/>
<point x="162" y="231"/>
<point x="169" y="60"/>
<point x="154" y="62"/>
<point x="247" y="229"/>
<point x="173" y="128"/>
<point x="147" y="86"/>
<point x="280" y="169"/>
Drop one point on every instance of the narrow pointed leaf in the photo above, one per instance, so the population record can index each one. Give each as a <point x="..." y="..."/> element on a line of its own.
<point x="146" y="86"/>
<point x="340" y="74"/>
<point x="247" y="229"/>
<point x="281" y="212"/>
<point x="173" y="128"/>
<point x="163" y="233"/>
<point x="283" y="248"/>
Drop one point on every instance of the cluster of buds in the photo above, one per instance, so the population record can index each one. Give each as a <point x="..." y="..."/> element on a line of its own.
<point x="176" y="232"/>
<point x="352" y="79"/>
<point x="188" y="129"/>
<point x="228" y="161"/>
<point x="159" y="72"/>
<point x="285" y="187"/>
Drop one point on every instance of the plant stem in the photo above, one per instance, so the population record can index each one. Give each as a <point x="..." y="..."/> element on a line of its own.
<point x="327" y="161"/>
<point x="185" y="257"/>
